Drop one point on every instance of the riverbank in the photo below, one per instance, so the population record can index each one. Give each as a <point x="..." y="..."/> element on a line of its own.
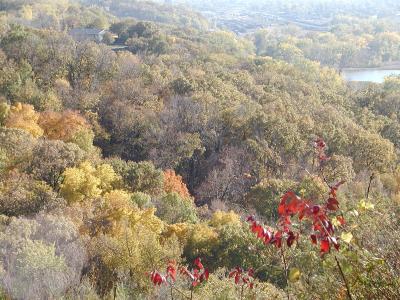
<point x="389" y="66"/>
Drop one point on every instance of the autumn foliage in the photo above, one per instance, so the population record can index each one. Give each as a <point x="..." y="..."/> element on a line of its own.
<point x="316" y="216"/>
<point x="62" y="126"/>
<point x="23" y="116"/>
<point x="174" y="183"/>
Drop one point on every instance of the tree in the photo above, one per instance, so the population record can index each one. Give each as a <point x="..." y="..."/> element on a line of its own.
<point x="172" y="208"/>
<point x="87" y="182"/>
<point x="68" y="126"/>
<point x="17" y="145"/>
<point x="139" y="177"/>
<point x="265" y="194"/>
<point x="41" y="257"/>
<point x="173" y="184"/>
<point x="51" y="158"/>
<point x="4" y="110"/>
<point x="22" y="195"/>
<point x="228" y="180"/>
<point x="23" y="116"/>
<point x="371" y="152"/>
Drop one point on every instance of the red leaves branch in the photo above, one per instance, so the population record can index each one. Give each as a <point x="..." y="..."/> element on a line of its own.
<point x="318" y="215"/>
<point x="243" y="278"/>
<point x="198" y="275"/>
<point x="158" y="279"/>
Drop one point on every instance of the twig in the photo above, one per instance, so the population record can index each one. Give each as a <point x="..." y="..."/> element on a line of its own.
<point x="286" y="272"/>
<point x="344" y="278"/>
<point x="339" y="266"/>
<point x="369" y="185"/>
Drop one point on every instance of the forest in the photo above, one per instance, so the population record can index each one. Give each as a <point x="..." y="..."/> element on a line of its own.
<point x="157" y="156"/>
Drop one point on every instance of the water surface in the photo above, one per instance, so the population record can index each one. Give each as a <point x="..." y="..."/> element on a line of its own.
<point x="371" y="75"/>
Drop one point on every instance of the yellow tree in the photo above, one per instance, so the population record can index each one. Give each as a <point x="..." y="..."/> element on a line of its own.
<point x="23" y="116"/>
<point x="126" y="240"/>
<point x="87" y="182"/>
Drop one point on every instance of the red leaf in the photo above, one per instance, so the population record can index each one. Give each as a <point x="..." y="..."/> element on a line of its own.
<point x="333" y="204"/>
<point x="325" y="246"/>
<point x="197" y="263"/>
<point x="313" y="239"/>
<point x="291" y="238"/>
<point x="267" y="237"/>
<point x="334" y="242"/>
<point x="341" y="220"/>
<point x="232" y="273"/>
<point x="237" y="279"/>
<point x="319" y="143"/>
<point x="251" y="219"/>
<point x="316" y="209"/>
<point x="289" y="204"/>
<point x="171" y="271"/>
<point x="277" y="239"/>
<point x="157" y="278"/>
<point x="336" y="187"/>
<point x="205" y="275"/>
<point x="250" y="272"/>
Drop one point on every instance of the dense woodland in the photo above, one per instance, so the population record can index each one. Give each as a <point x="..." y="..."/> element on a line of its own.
<point x="351" y="42"/>
<point x="131" y="174"/>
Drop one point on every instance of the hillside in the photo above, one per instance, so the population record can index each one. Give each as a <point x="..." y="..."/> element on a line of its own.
<point x="146" y="153"/>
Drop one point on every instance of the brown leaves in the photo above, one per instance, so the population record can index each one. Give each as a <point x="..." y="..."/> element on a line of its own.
<point x="62" y="126"/>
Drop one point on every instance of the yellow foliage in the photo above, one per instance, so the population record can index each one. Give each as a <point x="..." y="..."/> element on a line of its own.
<point x="202" y="233"/>
<point x="107" y="176"/>
<point x="87" y="181"/>
<point x="221" y="218"/>
<point x="137" y="250"/>
<point x="148" y="219"/>
<point x="294" y="274"/>
<point x="117" y="195"/>
<point x="346" y="237"/>
<point x="365" y="205"/>
<point x="180" y="230"/>
<point x="23" y="116"/>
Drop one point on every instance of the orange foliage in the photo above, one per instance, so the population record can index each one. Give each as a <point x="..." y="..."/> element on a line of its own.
<point x="174" y="183"/>
<point x="62" y="126"/>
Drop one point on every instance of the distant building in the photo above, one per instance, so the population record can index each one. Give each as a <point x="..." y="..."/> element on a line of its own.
<point x="87" y="34"/>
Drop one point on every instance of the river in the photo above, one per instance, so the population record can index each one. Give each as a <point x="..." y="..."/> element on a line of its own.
<point x="368" y="75"/>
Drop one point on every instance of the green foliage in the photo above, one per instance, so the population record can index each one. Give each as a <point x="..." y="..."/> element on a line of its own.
<point x="40" y="258"/>
<point x="139" y="177"/>
<point x="4" y="110"/>
<point x="142" y="200"/>
<point x="264" y="196"/>
<point x="220" y="286"/>
<point x="21" y="195"/>
<point x="234" y="115"/>
<point x="17" y="145"/>
<point x="172" y="208"/>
